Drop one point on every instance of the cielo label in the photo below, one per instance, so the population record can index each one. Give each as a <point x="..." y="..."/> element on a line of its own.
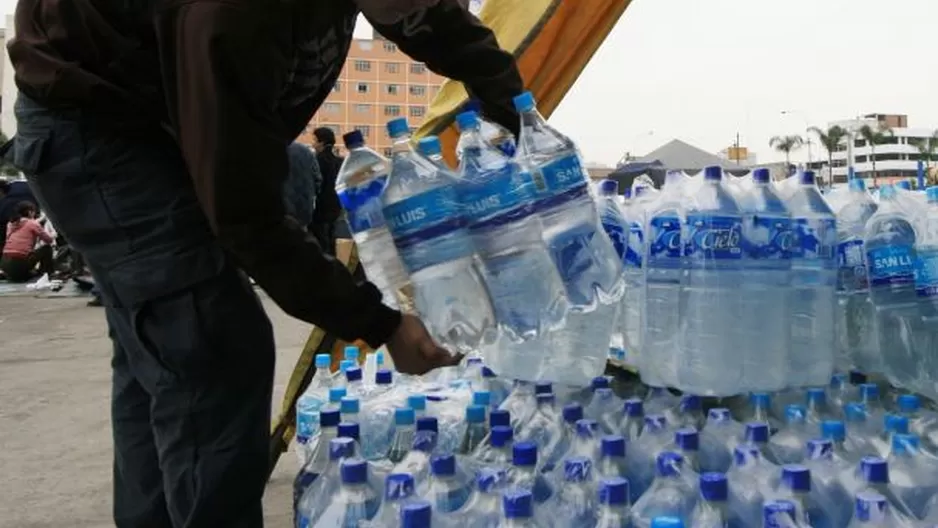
<point x="714" y="237"/>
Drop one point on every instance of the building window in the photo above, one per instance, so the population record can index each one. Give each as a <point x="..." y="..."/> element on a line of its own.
<point x="337" y="87"/>
<point x="362" y="108"/>
<point x="390" y="47"/>
<point x="364" y="129"/>
<point x="364" y="45"/>
<point x="392" y="67"/>
<point x="393" y="89"/>
<point x="362" y="88"/>
<point x="387" y="152"/>
<point x="418" y="90"/>
<point x="417" y="111"/>
<point x="417" y="68"/>
<point x="363" y="66"/>
<point x="331" y="107"/>
<point x="333" y="128"/>
<point x="392" y="111"/>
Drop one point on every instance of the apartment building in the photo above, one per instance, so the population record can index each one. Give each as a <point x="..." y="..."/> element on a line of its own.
<point x="378" y="83"/>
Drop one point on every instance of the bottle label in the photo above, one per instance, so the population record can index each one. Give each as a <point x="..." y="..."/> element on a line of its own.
<point x="816" y="241"/>
<point x="423" y="217"/>
<point x="617" y="234"/>
<point x="926" y="274"/>
<point x="665" y="237"/>
<point x="561" y="175"/>
<point x="768" y="238"/>
<point x="506" y="145"/>
<point x="633" y="254"/>
<point x="891" y="265"/>
<point x="713" y="237"/>
<point x="499" y="193"/>
<point x="852" y="274"/>
<point x="362" y="205"/>
<point x="307" y="422"/>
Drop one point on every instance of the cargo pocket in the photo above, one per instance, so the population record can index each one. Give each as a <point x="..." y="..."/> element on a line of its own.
<point x="27" y="152"/>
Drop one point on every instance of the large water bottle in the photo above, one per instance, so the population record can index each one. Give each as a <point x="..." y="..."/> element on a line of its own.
<point x="618" y="228"/>
<point x="711" y="305"/>
<point x="498" y="203"/>
<point x="359" y="184"/>
<point x="423" y="213"/>
<point x="766" y="280"/>
<point x="663" y="271"/>
<point x="890" y="242"/>
<point x="926" y="286"/>
<point x="856" y="336"/>
<point x="494" y="134"/>
<point x="814" y="280"/>
<point x="633" y="302"/>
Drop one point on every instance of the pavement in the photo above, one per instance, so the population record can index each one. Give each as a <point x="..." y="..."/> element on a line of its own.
<point x="55" y="435"/>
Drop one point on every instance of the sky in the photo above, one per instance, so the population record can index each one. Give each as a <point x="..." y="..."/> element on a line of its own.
<point x="704" y="70"/>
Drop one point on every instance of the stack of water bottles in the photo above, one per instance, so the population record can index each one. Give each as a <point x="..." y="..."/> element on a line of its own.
<point x="504" y="256"/>
<point x="461" y="447"/>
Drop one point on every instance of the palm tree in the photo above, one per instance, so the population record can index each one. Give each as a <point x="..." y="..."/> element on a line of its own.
<point x="830" y="139"/>
<point x="875" y="136"/>
<point x="786" y="144"/>
<point x="927" y="149"/>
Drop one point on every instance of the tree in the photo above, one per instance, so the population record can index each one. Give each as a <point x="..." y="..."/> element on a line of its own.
<point x="830" y="139"/>
<point x="928" y="149"/>
<point x="786" y="144"/>
<point x="875" y="136"/>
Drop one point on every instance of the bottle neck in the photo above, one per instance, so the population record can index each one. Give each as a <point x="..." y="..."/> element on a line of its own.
<point x="400" y="145"/>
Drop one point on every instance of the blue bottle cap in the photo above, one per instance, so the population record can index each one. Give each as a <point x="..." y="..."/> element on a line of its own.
<point x="614" y="491"/>
<point x="931" y="194"/>
<point x="346" y="364"/>
<point x="350" y="405"/>
<point x="572" y="413"/>
<point x="340" y="448"/>
<point x="428" y="423"/>
<point x="820" y="448"/>
<point x="599" y="382"/>
<point x="443" y="465"/>
<point x="350" y="430"/>
<point x="690" y="402"/>
<point x="472" y="105"/>
<point x="404" y="416"/>
<point x="899" y="425"/>
<point x="383" y="377"/>
<point x="816" y="396"/>
<point x="745" y="454"/>
<point x="586" y="427"/>
<point x="807" y="178"/>
<point x="429" y="146"/>
<point x="857" y="184"/>
<point x="719" y="415"/>
<point x="909" y="402"/>
<point x="518" y="504"/>
<point x="474" y="360"/>
<point x="778" y="514"/>
<point x="524" y="454"/>
<point x="323" y="361"/>
<point x="543" y="387"/>
<point x="499" y="417"/>
<point x="353" y="139"/>
<point x="467" y="120"/>
<point x="612" y="446"/>
<point x="905" y="185"/>
<point x="416" y="514"/>
<point x="417" y="402"/>
<point x="545" y="399"/>
<point x="666" y="521"/>
<point x="796" y="477"/>
<point x="869" y="391"/>
<point x="871" y="506"/>
<point x="760" y="400"/>
<point x="398" y="486"/>
<point x="855" y="412"/>
<point x="669" y="464"/>
<point x="577" y="469"/>
<point x="475" y="414"/>
<point x="761" y="175"/>
<point x="353" y="471"/>
<point x="875" y="470"/>
<point x="757" y="432"/>
<point x="713" y="487"/>
<point x="627" y="193"/>
<point x="687" y="439"/>
<point x="329" y="417"/>
<point x="483" y="398"/>
<point x="608" y="188"/>
<point x="838" y="380"/>
<point x="501" y="436"/>
<point x="487" y="372"/>
<point x="604" y="394"/>
<point x="713" y="173"/>
<point x="398" y="127"/>
<point x="353" y="374"/>
<point x="904" y="443"/>
<point x="489" y="478"/>
<point x="655" y="422"/>
<point x="524" y="102"/>
<point x="834" y="430"/>
<point x="351" y="352"/>
<point x="634" y="407"/>
<point x="795" y="413"/>
<point x="336" y="394"/>
<point x="424" y="441"/>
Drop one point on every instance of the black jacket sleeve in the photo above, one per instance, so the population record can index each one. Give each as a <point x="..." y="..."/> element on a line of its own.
<point x="222" y="69"/>
<point x="454" y="43"/>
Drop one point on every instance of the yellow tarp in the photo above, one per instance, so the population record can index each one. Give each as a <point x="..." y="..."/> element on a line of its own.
<point x="552" y="41"/>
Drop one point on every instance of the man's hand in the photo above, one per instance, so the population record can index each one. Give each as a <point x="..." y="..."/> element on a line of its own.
<point x="414" y="351"/>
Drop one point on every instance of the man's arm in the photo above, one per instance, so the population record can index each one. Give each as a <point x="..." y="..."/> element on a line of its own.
<point x="223" y="73"/>
<point x="454" y="43"/>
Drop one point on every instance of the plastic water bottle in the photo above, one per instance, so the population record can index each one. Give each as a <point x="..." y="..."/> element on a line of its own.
<point x="890" y="243"/>
<point x="788" y="444"/>
<point x="424" y="216"/>
<point x="497" y="452"/>
<point x="518" y="509"/>
<point x="545" y="428"/>
<point x="780" y="514"/>
<point x="309" y="404"/>
<point x="663" y="267"/>
<point x="766" y="281"/>
<point x="475" y="430"/>
<point x="671" y="494"/>
<point x="633" y="419"/>
<point x="318" y="457"/>
<point x="316" y="480"/>
<point x="618" y="229"/>
<point x="796" y="487"/>
<point x="926" y="287"/>
<point x="913" y="474"/>
<point x="711" y="304"/>
<point x="614" y="503"/>
<point x="354" y="502"/>
<point x="525" y="473"/>
<point x="712" y="510"/>
<point x="484" y="508"/>
<point x="814" y="280"/>
<point x="498" y="203"/>
<point x="448" y="488"/>
<point x="872" y="511"/>
<point x="359" y="184"/>
<point x="417" y="514"/>
<point x="856" y="337"/>
<point x="717" y="440"/>
<point x="575" y="501"/>
<point x="494" y="134"/>
<point x="399" y="488"/>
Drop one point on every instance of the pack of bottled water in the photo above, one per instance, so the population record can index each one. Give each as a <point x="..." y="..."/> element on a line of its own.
<point x="464" y="447"/>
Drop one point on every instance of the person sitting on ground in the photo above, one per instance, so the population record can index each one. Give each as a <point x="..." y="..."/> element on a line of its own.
<point x="20" y="255"/>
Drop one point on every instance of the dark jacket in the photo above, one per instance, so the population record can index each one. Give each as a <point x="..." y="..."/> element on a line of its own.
<point x="328" y="208"/>
<point x="237" y="81"/>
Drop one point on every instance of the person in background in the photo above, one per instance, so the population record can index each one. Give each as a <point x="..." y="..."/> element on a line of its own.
<point x="328" y="209"/>
<point x="303" y="181"/>
<point x="12" y="194"/>
<point x="20" y="254"/>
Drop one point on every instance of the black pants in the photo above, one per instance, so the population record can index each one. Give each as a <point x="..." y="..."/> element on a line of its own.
<point x="22" y="269"/>
<point x="193" y="349"/>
